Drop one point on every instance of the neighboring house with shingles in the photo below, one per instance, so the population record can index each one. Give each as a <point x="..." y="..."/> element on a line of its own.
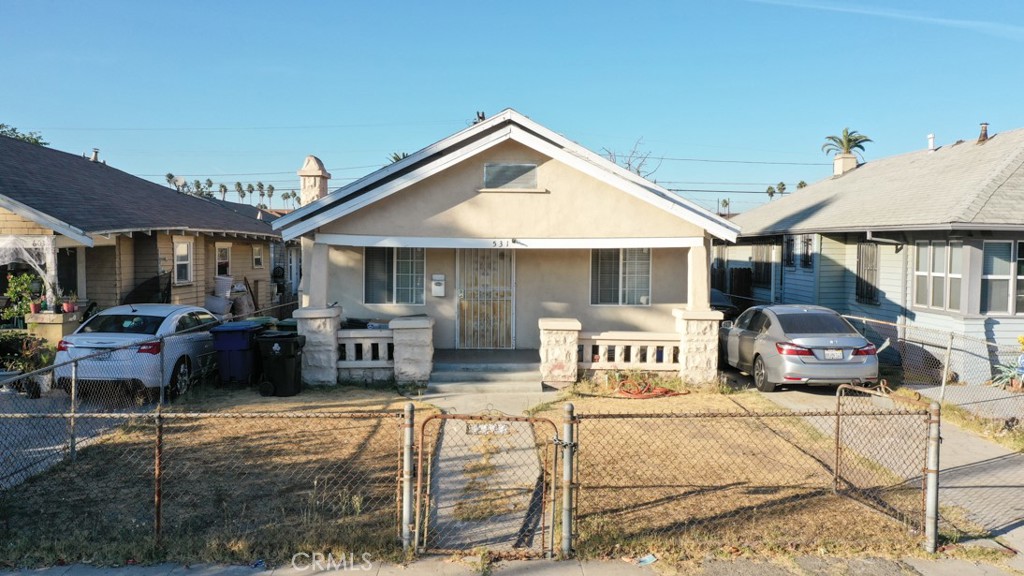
<point x="932" y="238"/>
<point x="102" y="233"/>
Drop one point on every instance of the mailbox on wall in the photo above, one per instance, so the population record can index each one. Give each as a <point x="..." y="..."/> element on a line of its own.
<point x="437" y="285"/>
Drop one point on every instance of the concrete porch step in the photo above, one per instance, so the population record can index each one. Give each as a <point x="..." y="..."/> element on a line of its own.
<point x="475" y="386"/>
<point x="483" y="376"/>
<point x="477" y="367"/>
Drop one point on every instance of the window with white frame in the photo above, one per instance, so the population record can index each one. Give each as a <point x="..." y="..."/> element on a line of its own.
<point x="223" y="258"/>
<point x="182" y="261"/>
<point x="394" y="275"/>
<point x="620" y="276"/>
<point x="996" y="275"/>
<point x="257" y="256"/>
<point x="937" y="274"/>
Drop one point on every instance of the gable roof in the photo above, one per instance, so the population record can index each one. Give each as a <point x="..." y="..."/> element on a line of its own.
<point x="77" y="197"/>
<point x="962" y="186"/>
<point x="502" y="127"/>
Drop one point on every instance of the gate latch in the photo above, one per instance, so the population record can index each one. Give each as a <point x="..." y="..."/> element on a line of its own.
<point x="559" y="442"/>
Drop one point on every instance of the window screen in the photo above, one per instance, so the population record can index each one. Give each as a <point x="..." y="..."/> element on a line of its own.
<point x="378" y="281"/>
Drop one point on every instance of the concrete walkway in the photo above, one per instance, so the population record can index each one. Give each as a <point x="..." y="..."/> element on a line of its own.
<point x="977" y="475"/>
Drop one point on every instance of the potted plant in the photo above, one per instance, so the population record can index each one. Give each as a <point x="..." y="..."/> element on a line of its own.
<point x="35" y="306"/>
<point x="70" y="302"/>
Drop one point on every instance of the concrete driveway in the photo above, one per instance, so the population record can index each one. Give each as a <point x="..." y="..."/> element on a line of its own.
<point x="977" y="475"/>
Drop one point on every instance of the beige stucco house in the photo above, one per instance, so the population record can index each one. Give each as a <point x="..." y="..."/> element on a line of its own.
<point x="490" y="232"/>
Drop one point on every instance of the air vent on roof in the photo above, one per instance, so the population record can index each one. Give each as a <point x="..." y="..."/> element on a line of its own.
<point x="983" y="137"/>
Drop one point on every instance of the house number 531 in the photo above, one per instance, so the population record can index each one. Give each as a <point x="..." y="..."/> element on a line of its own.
<point x="501" y="243"/>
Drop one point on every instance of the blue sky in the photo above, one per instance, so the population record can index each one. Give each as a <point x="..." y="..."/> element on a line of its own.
<point x="245" y="90"/>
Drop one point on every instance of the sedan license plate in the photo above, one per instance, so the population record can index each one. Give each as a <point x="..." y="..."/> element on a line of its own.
<point x="833" y="354"/>
<point x="102" y="356"/>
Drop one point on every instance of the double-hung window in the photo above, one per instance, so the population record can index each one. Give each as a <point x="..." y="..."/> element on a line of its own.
<point x="394" y="275"/>
<point x="937" y="274"/>
<point x="182" y="261"/>
<point x="620" y="276"/>
<point x="807" y="251"/>
<point x="223" y="250"/>
<point x="996" y="277"/>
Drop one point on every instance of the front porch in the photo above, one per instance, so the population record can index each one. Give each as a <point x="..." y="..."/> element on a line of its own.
<point x="404" y="351"/>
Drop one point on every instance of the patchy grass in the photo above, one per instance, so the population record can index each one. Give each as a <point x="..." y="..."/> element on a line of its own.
<point x="705" y="484"/>
<point x="233" y="490"/>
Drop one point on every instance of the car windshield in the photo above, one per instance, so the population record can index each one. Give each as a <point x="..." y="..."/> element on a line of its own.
<point x="123" y="324"/>
<point x="814" y="323"/>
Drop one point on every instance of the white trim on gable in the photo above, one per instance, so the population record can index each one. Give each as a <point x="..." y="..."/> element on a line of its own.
<point x="523" y="131"/>
<point x="505" y="243"/>
<point x="46" y="220"/>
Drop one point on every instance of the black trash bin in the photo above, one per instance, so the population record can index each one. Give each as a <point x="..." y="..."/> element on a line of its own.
<point x="281" y="353"/>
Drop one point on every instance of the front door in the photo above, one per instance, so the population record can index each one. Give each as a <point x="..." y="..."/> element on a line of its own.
<point x="486" y="293"/>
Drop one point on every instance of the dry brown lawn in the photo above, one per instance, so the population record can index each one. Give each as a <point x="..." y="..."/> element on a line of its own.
<point x="233" y="489"/>
<point x="685" y="487"/>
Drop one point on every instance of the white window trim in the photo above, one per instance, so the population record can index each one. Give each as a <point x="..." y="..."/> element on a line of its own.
<point x="928" y="275"/>
<point x="258" y="247"/>
<point x="216" y="257"/>
<point x="190" y="243"/>
<point x="650" y="280"/>
<point x="1010" y="278"/>
<point x="394" y="280"/>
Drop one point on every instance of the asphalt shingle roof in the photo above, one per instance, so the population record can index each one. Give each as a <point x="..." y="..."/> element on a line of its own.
<point x="962" y="185"/>
<point x="97" y="198"/>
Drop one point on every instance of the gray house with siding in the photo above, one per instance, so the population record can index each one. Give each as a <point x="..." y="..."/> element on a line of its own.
<point x="932" y="238"/>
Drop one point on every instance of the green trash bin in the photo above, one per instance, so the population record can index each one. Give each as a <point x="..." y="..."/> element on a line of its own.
<point x="281" y="353"/>
<point x="288" y="325"/>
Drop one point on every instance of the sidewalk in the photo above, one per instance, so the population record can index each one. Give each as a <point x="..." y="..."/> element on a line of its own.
<point x="444" y="566"/>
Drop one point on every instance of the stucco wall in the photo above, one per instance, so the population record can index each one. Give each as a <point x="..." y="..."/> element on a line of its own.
<point x="548" y="283"/>
<point x="571" y="205"/>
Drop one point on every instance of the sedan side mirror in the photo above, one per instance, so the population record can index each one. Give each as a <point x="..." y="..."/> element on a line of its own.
<point x="727" y="324"/>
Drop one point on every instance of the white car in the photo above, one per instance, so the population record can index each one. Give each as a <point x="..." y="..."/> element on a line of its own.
<point x="122" y="345"/>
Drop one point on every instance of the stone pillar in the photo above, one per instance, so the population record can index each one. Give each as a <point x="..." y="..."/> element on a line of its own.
<point x="51" y="326"/>
<point x="559" y="351"/>
<point x="414" y="349"/>
<point x="698" y="345"/>
<point x="320" y="355"/>
<point x="698" y="279"/>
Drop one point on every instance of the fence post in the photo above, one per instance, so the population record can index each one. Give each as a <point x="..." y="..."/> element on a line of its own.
<point x="838" y="447"/>
<point x="945" y="368"/>
<point x="567" y="462"/>
<point x="931" y="514"/>
<point x="158" y="474"/>
<point x="407" y="446"/>
<point x="72" y="448"/>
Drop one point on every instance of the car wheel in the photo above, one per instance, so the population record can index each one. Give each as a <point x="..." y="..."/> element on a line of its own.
<point x="181" y="377"/>
<point x="761" y="376"/>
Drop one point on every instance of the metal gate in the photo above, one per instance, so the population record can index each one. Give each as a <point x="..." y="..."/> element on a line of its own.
<point x="486" y="480"/>
<point x="486" y="292"/>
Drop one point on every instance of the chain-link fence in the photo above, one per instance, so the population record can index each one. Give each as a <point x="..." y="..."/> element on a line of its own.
<point x="487" y="481"/>
<point x="694" y="482"/>
<point x="976" y="375"/>
<point x="216" y="487"/>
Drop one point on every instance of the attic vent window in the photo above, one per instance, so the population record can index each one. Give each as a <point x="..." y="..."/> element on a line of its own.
<point x="510" y="176"/>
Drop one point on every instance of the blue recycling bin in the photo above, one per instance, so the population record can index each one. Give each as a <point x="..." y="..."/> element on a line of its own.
<point x="236" y="356"/>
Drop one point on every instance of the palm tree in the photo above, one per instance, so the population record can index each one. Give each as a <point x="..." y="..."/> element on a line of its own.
<point x="771" y="193"/>
<point x="781" y="188"/>
<point x="251" y="190"/>
<point x="240" y="191"/>
<point x="263" y="192"/>
<point x="170" y="180"/>
<point x="396" y="156"/>
<point x="223" y="189"/>
<point x="270" y="194"/>
<point x="850" y="141"/>
<point x="725" y="206"/>
<point x="801" y="184"/>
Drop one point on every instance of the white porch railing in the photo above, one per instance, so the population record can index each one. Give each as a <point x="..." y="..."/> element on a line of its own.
<point x="366" y="349"/>
<point x="650" y="351"/>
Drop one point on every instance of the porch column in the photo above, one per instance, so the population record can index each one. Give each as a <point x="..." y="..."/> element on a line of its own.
<point x="698" y="345"/>
<point x="414" y="349"/>
<point x="698" y="280"/>
<point x="559" y="351"/>
<point x="320" y="354"/>
<point x="315" y="267"/>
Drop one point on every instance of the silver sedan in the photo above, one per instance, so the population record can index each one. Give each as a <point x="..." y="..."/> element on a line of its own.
<point x="795" y="344"/>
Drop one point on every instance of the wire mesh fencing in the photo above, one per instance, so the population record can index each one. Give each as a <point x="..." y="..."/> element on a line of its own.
<point x="216" y="487"/>
<point x="486" y="481"/>
<point x="758" y="481"/>
<point x="976" y="375"/>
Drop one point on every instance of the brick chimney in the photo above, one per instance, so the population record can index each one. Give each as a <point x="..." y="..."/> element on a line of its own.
<point x="843" y="163"/>
<point x="313" y="179"/>
<point x="983" y="137"/>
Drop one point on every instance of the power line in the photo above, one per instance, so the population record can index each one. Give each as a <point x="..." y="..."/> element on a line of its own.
<point x="292" y="172"/>
<point x="717" y="191"/>
<point x="716" y="161"/>
<point x="229" y="128"/>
